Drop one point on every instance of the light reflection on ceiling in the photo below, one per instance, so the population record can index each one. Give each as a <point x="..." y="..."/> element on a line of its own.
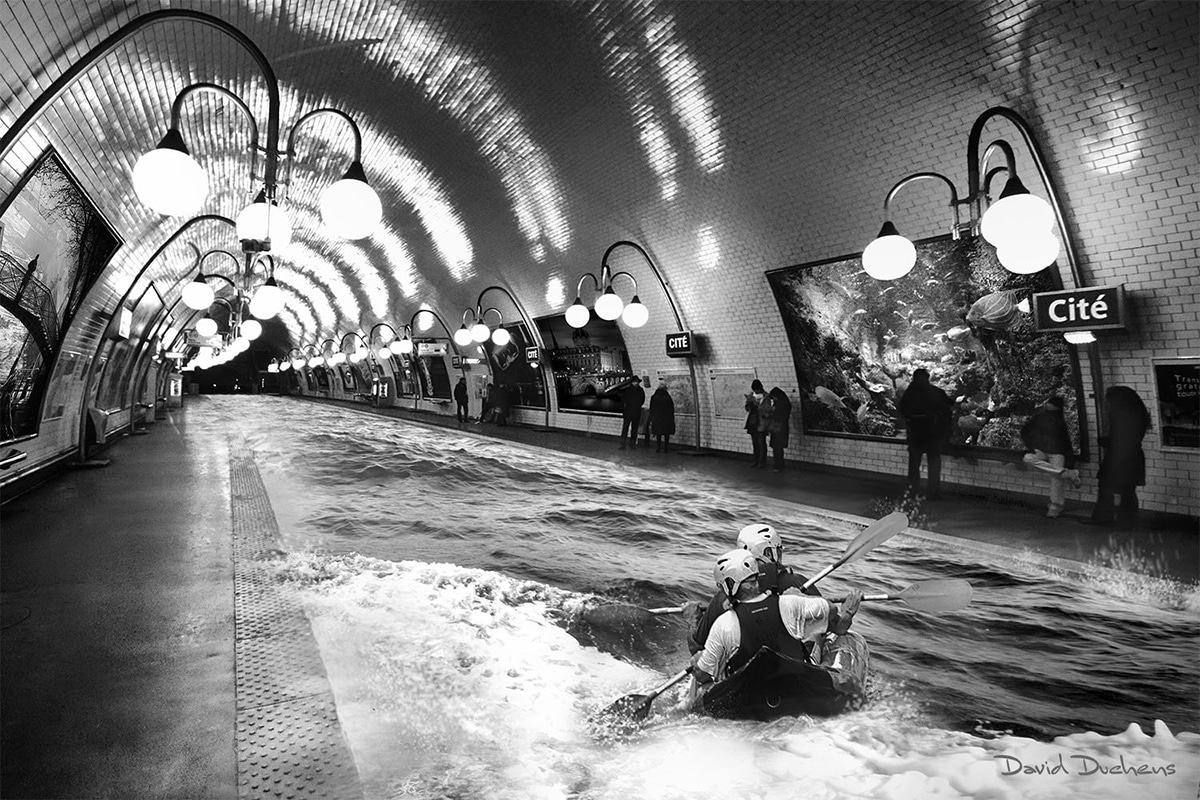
<point x="708" y="255"/>
<point x="556" y="291"/>
<point x="359" y="262"/>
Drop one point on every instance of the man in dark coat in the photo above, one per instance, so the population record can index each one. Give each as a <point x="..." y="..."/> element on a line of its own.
<point x="926" y="412"/>
<point x="461" y="399"/>
<point x="633" y="397"/>
<point x="662" y="418"/>
<point x="1123" y="467"/>
<point x="779" y="426"/>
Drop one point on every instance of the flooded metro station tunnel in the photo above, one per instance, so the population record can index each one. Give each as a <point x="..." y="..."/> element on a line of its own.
<point x="336" y="335"/>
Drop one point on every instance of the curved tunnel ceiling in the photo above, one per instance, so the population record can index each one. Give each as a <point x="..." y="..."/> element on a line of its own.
<point x="457" y="128"/>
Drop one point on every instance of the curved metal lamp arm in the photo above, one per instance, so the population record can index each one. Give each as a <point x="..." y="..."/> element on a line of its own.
<point x="356" y="335"/>
<point x="413" y="319"/>
<point x="595" y="283"/>
<point x="917" y="176"/>
<point x="471" y="311"/>
<point x="291" y="145"/>
<point x="237" y="264"/>
<point x="615" y="275"/>
<point x="378" y="325"/>
<point x="187" y="91"/>
<point x="499" y="314"/>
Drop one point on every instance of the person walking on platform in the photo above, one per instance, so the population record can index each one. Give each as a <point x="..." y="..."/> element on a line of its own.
<point x="488" y="393"/>
<point x="1123" y="467"/>
<point x="779" y="426"/>
<point x="758" y="438"/>
<point x="633" y="397"/>
<point x="461" y="400"/>
<point x="662" y="419"/>
<point x="926" y="412"/>
<point x="1049" y="444"/>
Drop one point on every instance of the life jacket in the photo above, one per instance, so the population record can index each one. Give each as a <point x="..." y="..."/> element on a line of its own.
<point x="778" y="579"/>
<point x="762" y="626"/>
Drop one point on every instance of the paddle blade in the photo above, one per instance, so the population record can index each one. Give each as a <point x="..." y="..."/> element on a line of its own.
<point x="616" y="615"/>
<point x="630" y="708"/>
<point x="874" y="535"/>
<point x="948" y="594"/>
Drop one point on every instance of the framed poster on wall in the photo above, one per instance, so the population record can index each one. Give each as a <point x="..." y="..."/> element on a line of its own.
<point x="1177" y="386"/>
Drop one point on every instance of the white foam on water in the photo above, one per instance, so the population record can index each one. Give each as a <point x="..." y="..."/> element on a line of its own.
<point x="456" y="682"/>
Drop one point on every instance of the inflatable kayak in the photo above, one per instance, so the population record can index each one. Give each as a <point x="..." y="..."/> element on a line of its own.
<point x="771" y="685"/>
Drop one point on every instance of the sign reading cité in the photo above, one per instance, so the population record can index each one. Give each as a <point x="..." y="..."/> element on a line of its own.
<point x="679" y="344"/>
<point x="1088" y="309"/>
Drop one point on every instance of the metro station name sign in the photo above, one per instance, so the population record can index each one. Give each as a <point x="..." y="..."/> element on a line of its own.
<point x="1088" y="309"/>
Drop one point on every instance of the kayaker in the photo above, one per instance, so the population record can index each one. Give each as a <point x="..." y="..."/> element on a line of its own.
<point x="764" y="542"/>
<point x="790" y="624"/>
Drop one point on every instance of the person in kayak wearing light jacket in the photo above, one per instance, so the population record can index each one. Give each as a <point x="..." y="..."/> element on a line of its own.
<point x="790" y="624"/>
<point x="765" y="544"/>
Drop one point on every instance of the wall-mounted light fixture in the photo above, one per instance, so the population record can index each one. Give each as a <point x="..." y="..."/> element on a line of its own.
<point x="361" y="349"/>
<point x="608" y="305"/>
<point x="1019" y="224"/>
<point x="479" y="332"/>
<point x="384" y="334"/>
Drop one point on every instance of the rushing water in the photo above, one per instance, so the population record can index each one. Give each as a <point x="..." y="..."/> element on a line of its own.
<point x="443" y="573"/>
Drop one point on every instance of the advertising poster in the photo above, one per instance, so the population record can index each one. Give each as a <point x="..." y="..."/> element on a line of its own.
<point x="1178" y="385"/>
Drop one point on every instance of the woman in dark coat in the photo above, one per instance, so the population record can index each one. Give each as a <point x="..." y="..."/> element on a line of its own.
<point x="662" y="418"/>
<point x="1123" y="467"/>
<point x="758" y="436"/>
<point x="779" y="426"/>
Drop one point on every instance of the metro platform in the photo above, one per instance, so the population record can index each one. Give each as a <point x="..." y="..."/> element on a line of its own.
<point x="141" y="658"/>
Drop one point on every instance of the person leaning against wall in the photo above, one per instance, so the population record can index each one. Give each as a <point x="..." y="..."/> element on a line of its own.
<point x="758" y="438"/>
<point x="1123" y="467"/>
<point x="779" y="427"/>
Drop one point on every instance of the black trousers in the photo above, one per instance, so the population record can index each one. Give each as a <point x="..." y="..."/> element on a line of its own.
<point x="629" y="428"/>
<point x="461" y="411"/>
<point x="932" y="452"/>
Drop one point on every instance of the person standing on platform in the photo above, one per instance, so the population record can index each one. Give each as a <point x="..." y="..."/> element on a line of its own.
<point x="758" y="438"/>
<point x="633" y="397"/>
<point x="1123" y="467"/>
<point x="487" y="402"/>
<point x="779" y="427"/>
<point x="662" y="418"/>
<point x="461" y="399"/>
<point x="926" y="412"/>
<point x="1049" y="444"/>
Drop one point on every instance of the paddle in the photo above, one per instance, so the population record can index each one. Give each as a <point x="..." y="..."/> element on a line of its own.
<point x="948" y="594"/>
<point x="637" y="706"/>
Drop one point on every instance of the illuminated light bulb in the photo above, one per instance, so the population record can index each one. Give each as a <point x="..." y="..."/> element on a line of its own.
<point x="168" y="179"/>
<point x="337" y="358"/>
<point x="350" y="207"/>
<point x="609" y="305"/>
<point x="1023" y="306"/>
<point x="251" y="329"/>
<point x="262" y="221"/>
<point x="268" y="300"/>
<point x="406" y="346"/>
<point x="207" y="327"/>
<point x="1079" y="337"/>
<point x="297" y="363"/>
<point x="480" y="333"/>
<point x="635" y="314"/>
<point x="1016" y="214"/>
<point x="383" y="353"/>
<point x="578" y="314"/>
<point x="462" y="336"/>
<point x="315" y="361"/>
<point x="889" y="256"/>
<point x="198" y="295"/>
<point x="272" y="367"/>
<point x="1028" y="254"/>
<point x="501" y="337"/>
<point x="386" y="335"/>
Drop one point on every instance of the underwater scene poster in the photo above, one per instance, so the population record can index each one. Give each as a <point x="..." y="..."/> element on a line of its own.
<point x="856" y="342"/>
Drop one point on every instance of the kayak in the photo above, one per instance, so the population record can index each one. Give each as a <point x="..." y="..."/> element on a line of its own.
<point x="771" y="685"/>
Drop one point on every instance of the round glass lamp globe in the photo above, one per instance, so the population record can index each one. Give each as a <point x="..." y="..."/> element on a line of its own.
<point x="383" y="353"/>
<point x="206" y="327"/>
<point x="261" y="221"/>
<point x="297" y="363"/>
<point x="501" y="337"/>
<point x="284" y="366"/>
<point x="337" y="358"/>
<point x="406" y="345"/>
<point x="1028" y="254"/>
<point x="578" y="315"/>
<point x="635" y="314"/>
<point x="351" y="208"/>
<point x="251" y="329"/>
<point x="314" y="361"/>
<point x="609" y="305"/>
<point x="198" y="295"/>
<point x="889" y="257"/>
<point x="170" y="182"/>
<point x="462" y="337"/>
<point x="1015" y="216"/>
<point x="267" y="301"/>
<point x="386" y="335"/>
<point x="480" y="333"/>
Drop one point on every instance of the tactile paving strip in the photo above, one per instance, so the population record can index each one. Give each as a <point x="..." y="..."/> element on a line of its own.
<point x="290" y="743"/>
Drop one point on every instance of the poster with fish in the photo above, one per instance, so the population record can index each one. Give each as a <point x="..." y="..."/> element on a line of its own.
<point x="856" y="342"/>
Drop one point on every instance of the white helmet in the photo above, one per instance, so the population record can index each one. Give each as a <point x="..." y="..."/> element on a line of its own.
<point x="763" y="541"/>
<point x="733" y="569"/>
